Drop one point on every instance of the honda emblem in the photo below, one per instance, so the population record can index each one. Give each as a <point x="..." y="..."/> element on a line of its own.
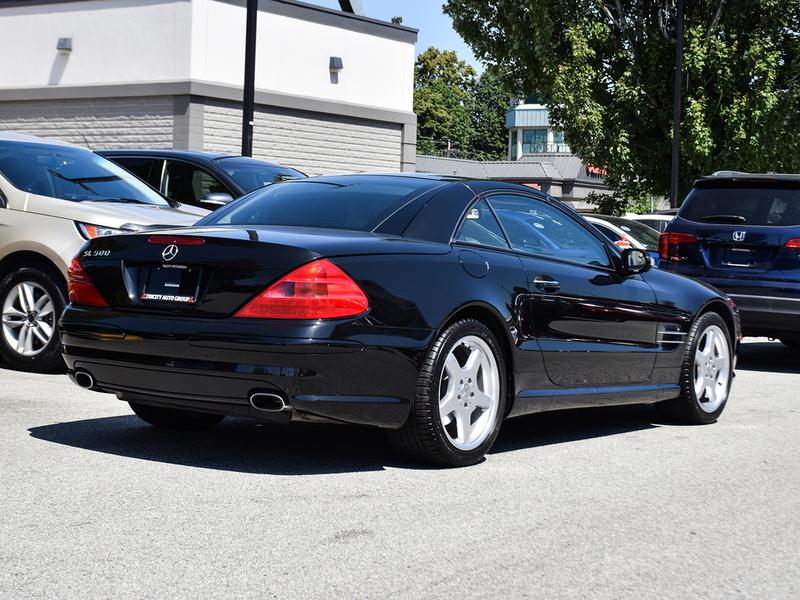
<point x="738" y="236"/>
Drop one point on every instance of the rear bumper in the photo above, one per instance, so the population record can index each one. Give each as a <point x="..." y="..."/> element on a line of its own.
<point x="770" y="316"/>
<point x="766" y="308"/>
<point x="216" y="365"/>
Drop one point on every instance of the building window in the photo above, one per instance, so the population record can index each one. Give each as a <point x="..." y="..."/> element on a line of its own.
<point x="514" y="144"/>
<point x="534" y="140"/>
<point x="558" y="137"/>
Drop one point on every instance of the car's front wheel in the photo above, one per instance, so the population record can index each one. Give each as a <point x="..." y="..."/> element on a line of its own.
<point x="706" y="373"/>
<point x="460" y="398"/>
<point x="173" y="418"/>
<point x="31" y="301"/>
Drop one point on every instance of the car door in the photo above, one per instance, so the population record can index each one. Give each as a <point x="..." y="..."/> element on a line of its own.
<point x="592" y="323"/>
<point x="190" y="184"/>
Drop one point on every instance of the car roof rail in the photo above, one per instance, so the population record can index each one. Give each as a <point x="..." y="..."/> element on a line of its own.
<point x="728" y="173"/>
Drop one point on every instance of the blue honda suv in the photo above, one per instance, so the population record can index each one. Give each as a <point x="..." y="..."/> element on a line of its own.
<point x="740" y="232"/>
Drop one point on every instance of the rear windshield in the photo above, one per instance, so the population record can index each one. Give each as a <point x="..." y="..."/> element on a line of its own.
<point x="354" y="203"/>
<point x="71" y="173"/>
<point x="743" y="205"/>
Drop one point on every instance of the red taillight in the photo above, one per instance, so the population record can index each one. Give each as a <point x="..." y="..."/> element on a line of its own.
<point x="177" y="240"/>
<point x="317" y="290"/>
<point x="792" y="243"/>
<point x="669" y="245"/>
<point x="81" y="289"/>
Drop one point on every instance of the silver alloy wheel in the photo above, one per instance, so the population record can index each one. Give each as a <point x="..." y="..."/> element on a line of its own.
<point x="712" y="369"/>
<point x="469" y="393"/>
<point x="29" y="318"/>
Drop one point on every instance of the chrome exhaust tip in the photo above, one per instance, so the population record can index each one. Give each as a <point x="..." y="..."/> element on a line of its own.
<point x="268" y="402"/>
<point x="84" y="379"/>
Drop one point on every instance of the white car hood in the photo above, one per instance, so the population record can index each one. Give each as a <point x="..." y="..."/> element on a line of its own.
<point x="115" y="214"/>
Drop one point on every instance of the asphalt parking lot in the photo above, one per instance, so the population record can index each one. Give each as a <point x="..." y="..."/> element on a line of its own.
<point x="601" y="503"/>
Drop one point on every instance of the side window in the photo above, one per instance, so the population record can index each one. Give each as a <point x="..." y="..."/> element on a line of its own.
<point x="536" y="227"/>
<point x="146" y="169"/>
<point x="481" y="227"/>
<point x="188" y="184"/>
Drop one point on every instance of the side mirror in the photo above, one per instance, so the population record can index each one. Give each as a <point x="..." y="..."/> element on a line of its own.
<point x="215" y="200"/>
<point x="635" y="261"/>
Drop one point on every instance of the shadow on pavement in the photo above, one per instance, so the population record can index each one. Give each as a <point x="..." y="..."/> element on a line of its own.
<point x="769" y="357"/>
<point x="244" y="446"/>
<point x="573" y="425"/>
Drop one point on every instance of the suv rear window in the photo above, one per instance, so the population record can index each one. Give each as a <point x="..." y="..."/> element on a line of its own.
<point x="777" y="206"/>
<point x="355" y="203"/>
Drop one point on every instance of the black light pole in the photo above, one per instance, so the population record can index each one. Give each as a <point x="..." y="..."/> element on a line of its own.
<point x="676" y="109"/>
<point x="249" y="78"/>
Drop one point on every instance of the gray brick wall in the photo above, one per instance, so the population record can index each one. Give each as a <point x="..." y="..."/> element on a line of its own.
<point x="314" y="143"/>
<point x="145" y="122"/>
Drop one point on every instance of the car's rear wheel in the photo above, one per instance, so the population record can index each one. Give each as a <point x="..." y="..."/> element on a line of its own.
<point x="706" y="374"/>
<point x="31" y="301"/>
<point x="793" y="344"/>
<point x="173" y="418"/>
<point x="460" y="399"/>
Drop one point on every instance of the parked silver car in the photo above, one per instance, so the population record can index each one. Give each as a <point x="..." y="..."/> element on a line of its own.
<point x="53" y="198"/>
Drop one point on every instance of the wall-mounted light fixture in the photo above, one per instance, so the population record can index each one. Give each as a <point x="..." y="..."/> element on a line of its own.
<point x="64" y="45"/>
<point x="336" y="64"/>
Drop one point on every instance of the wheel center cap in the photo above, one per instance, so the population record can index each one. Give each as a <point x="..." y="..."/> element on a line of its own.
<point x="464" y="391"/>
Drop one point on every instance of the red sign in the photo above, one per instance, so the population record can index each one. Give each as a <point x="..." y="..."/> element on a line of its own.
<point x="595" y="171"/>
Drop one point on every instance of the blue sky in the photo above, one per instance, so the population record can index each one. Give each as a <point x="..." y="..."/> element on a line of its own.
<point x="435" y="27"/>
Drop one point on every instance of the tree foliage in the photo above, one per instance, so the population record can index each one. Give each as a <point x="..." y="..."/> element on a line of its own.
<point x="487" y="106"/>
<point x="457" y="109"/>
<point x="441" y="92"/>
<point x="605" y="69"/>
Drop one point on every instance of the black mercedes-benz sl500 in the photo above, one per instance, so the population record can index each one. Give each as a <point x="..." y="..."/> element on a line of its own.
<point x="431" y="307"/>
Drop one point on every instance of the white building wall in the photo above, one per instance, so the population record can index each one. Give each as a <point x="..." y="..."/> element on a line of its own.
<point x="293" y="57"/>
<point x="114" y="41"/>
<point x="142" y="41"/>
<point x="313" y="143"/>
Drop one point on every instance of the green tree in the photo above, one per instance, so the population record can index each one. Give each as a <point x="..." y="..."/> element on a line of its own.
<point x="488" y="105"/>
<point x="605" y="69"/>
<point x="442" y="93"/>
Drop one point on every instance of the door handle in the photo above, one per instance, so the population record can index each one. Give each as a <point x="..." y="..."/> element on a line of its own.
<point x="548" y="285"/>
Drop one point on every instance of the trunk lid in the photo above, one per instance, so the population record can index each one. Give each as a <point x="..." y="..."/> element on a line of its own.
<point x="213" y="271"/>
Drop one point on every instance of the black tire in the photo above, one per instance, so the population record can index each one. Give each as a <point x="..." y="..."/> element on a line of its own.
<point x="686" y="408"/>
<point x="48" y="359"/>
<point x="793" y="344"/>
<point x="423" y="437"/>
<point x="173" y="418"/>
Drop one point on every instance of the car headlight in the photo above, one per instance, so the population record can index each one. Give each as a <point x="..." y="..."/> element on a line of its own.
<point x="94" y="231"/>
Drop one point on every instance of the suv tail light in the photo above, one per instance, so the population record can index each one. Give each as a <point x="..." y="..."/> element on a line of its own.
<point x="792" y="243"/>
<point x="317" y="290"/>
<point x="81" y="289"/>
<point x="669" y="245"/>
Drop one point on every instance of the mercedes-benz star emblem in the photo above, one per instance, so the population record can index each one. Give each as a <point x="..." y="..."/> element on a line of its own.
<point x="738" y="236"/>
<point x="169" y="252"/>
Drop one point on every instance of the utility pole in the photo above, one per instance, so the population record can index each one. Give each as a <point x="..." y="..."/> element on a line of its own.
<point x="676" y="109"/>
<point x="248" y="102"/>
